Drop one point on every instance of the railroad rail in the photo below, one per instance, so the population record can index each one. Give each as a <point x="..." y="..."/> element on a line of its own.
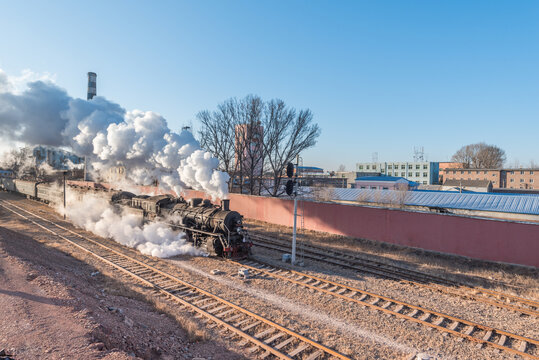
<point x="463" y="329"/>
<point x="267" y="338"/>
<point x="417" y="278"/>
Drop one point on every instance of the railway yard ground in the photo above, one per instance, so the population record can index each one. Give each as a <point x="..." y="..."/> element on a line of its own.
<point x="380" y="302"/>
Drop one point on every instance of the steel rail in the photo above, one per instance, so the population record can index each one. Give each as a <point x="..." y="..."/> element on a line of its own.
<point x="404" y="275"/>
<point x="118" y="260"/>
<point x="362" y="298"/>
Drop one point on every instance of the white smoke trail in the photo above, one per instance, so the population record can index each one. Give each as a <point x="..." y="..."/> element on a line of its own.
<point x="95" y="214"/>
<point x="109" y="136"/>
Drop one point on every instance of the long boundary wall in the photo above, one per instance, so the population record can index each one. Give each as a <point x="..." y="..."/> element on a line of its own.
<point x="486" y="239"/>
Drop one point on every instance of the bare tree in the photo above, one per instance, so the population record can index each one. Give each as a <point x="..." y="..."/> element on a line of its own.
<point x="480" y="156"/>
<point x="341" y="168"/>
<point x="254" y="141"/>
<point x="401" y="194"/>
<point x="286" y="135"/>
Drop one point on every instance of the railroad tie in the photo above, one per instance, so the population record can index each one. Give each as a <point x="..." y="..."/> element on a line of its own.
<point x="325" y="285"/>
<point x="284" y="343"/>
<point x="274" y="337"/>
<point x="299" y="349"/>
<point x="315" y="355"/>
<point x="451" y="327"/>
<point x="333" y="288"/>
<point x="425" y="317"/>
<point x="502" y="340"/>
<point x="315" y="283"/>
<point x="219" y="308"/>
<point x="436" y="322"/>
<point x="264" y="333"/>
<point x="486" y="338"/>
<point x="250" y="326"/>
<point x="522" y="346"/>
<point x="398" y="308"/>
<point x="341" y="291"/>
<point x="467" y="331"/>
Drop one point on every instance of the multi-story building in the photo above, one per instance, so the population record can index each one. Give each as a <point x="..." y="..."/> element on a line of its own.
<point x="422" y="172"/>
<point x="525" y="179"/>
<point x="495" y="176"/>
<point x="447" y="165"/>
<point x="522" y="179"/>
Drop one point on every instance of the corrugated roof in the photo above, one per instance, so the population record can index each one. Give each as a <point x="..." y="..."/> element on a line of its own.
<point x="509" y="203"/>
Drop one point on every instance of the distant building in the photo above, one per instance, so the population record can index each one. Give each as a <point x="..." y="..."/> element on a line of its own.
<point x="309" y="171"/>
<point x="496" y="176"/>
<point x="467" y="185"/>
<point x="249" y="149"/>
<point x="384" y="183"/>
<point x="524" y="179"/>
<point x="422" y="172"/>
<point x="58" y="159"/>
<point x="6" y="173"/>
<point x="350" y="177"/>
<point x="447" y="165"/>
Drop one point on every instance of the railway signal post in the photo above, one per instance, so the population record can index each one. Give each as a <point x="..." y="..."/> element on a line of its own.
<point x="291" y="190"/>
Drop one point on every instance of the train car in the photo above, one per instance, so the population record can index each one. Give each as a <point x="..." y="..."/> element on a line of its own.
<point x="50" y="193"/>
<point x="7" y="184"/>
<point x="27" y="188"/>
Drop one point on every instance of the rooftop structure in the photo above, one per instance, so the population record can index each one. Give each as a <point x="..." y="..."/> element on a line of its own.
<point x="384" y="183"/>
<point x="92" y="85"/>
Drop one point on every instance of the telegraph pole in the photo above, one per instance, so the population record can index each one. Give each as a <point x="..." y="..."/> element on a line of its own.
<point x="291" y="189"/>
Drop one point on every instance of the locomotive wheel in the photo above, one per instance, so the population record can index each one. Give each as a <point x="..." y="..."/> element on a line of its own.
<point x="214" y="247"/>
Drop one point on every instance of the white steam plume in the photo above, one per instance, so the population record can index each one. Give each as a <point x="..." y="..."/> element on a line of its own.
<point x="109" y="136"/>
<point x="96" y="214"/>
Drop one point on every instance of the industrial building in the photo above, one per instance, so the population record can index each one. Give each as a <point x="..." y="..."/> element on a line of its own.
<point x="421" y="172"/>
<point x="384" y="183"/>
<point x="522" y="179"/>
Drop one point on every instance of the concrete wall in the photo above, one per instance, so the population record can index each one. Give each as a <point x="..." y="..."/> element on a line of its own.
<point x="495" y="240"/>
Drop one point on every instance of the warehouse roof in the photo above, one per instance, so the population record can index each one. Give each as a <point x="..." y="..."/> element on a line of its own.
<point x="508" y="203"/>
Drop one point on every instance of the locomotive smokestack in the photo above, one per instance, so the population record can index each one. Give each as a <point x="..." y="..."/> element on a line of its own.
<point x="225" y="205"/>
<point x="92" y="89"/>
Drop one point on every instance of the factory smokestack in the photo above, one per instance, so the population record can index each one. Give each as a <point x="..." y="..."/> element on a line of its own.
<point x="92" y="91"/>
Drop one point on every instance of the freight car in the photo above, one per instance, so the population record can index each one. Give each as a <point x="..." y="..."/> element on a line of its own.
<point x="214" y="228"/>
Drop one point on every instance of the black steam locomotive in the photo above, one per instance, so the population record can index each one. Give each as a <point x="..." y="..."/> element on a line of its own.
<point x="214" y="228"/>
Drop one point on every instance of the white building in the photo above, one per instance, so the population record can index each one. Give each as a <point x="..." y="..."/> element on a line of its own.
<point x="422" y="172"/>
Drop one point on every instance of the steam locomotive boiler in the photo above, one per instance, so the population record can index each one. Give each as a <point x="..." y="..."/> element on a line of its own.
<point x="214" y="228"/>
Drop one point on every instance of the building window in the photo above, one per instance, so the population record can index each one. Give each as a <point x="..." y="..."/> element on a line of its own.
<point x="424" y="183"/>
<point x="383" y="170"/>
<point x="363" y="187"/>
<point x="521" y="172"/>
<point x="373" y="187"/>
<point x="425" y="174"/>
<point x="416" y="174"/>
<point x="512" y="173"/>
<point x="493" y="174"/>
<point x="360" y="167"/>
<point x="425" y="167"/>
<point x="417" y="167"/>
<point x="409" y="174"/>
<point x="390" y="166"/>
<point x="403" y="167"/>
<point x="512" y="180"/>
<point x="368" y="167"/>
<point x="485" y="172"/>
<point x="531" y="172"/>
<point x="374" y="167"/>
<point x="389" y="173"/>
<point x="409" y="167"/>
<point x="385" y="188"/>
<point x="531" y="180"/>
<point x="469" y="172"/>
<point x="454" y="171"/>
<point x="462" y="172"/>
<point x="403" y="174"/>
<point x="494" y="182"/>
<point x="521" y="180"/>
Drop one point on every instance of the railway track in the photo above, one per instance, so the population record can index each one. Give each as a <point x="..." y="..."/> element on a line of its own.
<point x="265" y="338"/>
<point x="447" y="324"/>
<point x="354" y="262"/>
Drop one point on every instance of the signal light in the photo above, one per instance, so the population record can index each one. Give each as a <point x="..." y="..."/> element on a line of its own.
<point x="290" y="187"/>
<point x="290" y="170"/>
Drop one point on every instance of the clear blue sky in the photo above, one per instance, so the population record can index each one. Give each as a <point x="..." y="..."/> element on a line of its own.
<point x="379" y="76"/>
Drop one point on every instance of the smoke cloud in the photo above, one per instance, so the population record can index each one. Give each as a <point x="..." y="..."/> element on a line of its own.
<point x="96" y="214"/>
<point x="108" y="135"/>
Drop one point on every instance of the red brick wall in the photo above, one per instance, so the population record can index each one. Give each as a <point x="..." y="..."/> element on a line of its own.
<point x="485" y="239"/>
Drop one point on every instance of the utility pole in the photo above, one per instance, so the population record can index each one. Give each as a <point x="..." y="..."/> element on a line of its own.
<point x="65" y="172"/>
<point x="293" y="260"/>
